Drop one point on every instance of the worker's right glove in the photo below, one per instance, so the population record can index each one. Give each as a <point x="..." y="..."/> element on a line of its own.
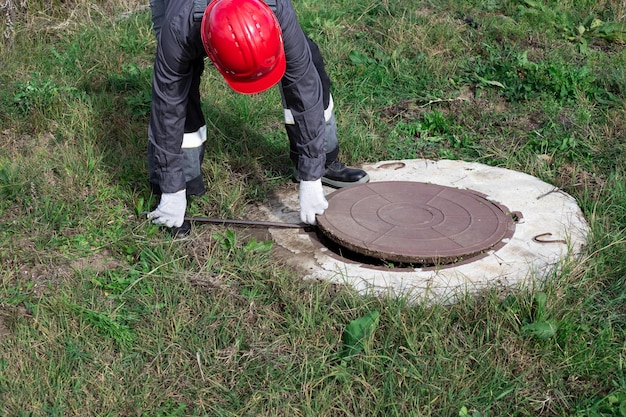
<point x="171" y="209"/>
<point x="312" y="200"/>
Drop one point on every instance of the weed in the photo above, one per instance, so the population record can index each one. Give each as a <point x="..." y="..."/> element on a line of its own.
<point x="135" y="82"/>
<point x="357" y="334"/>
<point x="240" y="251"/>
<point x="12" y="183"/>
<point x="434" y="133"/>
<point x="578" y="31"/>
<point x="40" y="95"/>
<point x="107" y="325"/>
<point x="522" y="79"/>
<point x="541" y="326"/>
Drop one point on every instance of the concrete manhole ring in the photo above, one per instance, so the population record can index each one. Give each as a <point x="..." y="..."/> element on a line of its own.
<point x="519" y="260"/>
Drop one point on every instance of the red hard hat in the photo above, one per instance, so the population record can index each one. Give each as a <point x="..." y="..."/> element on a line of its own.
<point x="244" y="41"/>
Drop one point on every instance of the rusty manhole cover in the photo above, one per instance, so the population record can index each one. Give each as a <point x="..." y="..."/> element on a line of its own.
<point x="413" y="222"/>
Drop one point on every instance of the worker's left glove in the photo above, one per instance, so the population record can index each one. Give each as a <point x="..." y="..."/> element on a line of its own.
<point x="171" y="209"/>
<point x="312" y="200"/>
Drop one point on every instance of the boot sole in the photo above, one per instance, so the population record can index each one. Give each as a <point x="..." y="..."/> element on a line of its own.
<point x="342" y="184"/>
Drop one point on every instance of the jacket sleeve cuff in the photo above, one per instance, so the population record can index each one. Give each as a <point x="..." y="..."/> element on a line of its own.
<point x="311" y="169"/>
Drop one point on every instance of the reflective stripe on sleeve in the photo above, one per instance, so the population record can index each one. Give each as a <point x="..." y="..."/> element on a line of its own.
<point x="328" y="113"/>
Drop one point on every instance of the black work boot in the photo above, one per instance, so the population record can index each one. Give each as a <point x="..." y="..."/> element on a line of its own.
<point x="338" y="175"/>
<point x="181" y="232"/>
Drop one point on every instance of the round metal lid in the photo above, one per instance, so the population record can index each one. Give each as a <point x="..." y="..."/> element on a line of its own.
<point x="413" y="222"/>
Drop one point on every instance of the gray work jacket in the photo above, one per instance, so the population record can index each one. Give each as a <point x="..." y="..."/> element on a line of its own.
<point x="180" y="45"/>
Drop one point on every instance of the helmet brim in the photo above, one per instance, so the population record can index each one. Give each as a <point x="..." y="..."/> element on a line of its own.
<point x="264" y="83"/>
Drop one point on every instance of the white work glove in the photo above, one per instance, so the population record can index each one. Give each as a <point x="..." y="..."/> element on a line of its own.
<point x="312" y="200"/>
<point x="171" y="209"/>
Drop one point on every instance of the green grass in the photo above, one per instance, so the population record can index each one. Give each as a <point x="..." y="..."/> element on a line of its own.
<point x="101" y="313"/>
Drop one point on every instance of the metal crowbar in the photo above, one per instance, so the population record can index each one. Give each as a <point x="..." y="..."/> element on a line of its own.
<point x="250" y="223"/>
<point x="240" y="222"/>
